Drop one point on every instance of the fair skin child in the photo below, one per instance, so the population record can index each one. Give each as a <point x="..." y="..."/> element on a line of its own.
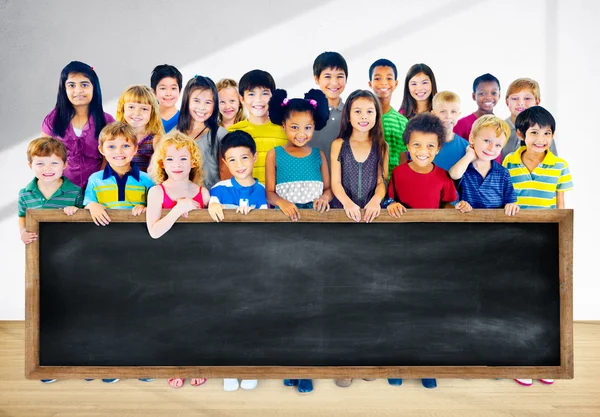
<point x="299" y="128"/>
<point x="420" y="89"/>
<point x="484" y="147"/>
<point x="177" y="164"/>
<point x="256" y="102"/>
<point x="229" y="104"/>
<point x="519" y="101"/>
<point x="486" y="96"/>
<point x="201" y="106"/>
<point x="538" y="139"/>
<point x="332" y="82"/>
<point x="423" y="147"/>
<point x="240" y="162"/>
<point x="118" y="153"/>
<point x="48" y="170"/>
<point x="137" y="115"/>
<point x="362" y="119"/>
<point x="448" y="112"/>
<point x="167" y="92"/>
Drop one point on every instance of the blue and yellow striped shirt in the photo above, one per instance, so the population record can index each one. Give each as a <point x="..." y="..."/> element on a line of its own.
<point x="537" y="189"/>
<point x="114" y="192"/>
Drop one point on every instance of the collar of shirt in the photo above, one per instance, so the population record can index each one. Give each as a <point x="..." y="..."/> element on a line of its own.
<point x="133" y="172"/>
<point x="340" y="106"/>
<point x="65" y="186"/>
<point x="549" y="158"/>
<point x="238" y="186"/>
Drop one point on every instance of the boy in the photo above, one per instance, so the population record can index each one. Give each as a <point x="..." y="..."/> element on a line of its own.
<point x="330" y="72"/>
<point x="483" y="182"/>
<point x="166" y="84"/>
<point x="522" y="94"/>
<point x="120" y="185"/>
<point x="540" y="178"/>
<point x="419" y="184"/>
<point x="486" y="93"/>
<point x="446" y="106"/>
<point x="256" y="88"/>
<point x="242" y="192"/>
<point x="383" y="76"/>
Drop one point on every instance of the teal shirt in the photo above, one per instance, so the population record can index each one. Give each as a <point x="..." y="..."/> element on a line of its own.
<point x="67" y="195"/>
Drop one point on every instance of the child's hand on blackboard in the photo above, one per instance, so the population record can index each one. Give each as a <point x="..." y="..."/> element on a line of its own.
<point x="216" y="212"/>
<point x="289" y="209"/>
<point x="396" y="210"/>
<point x="27" y="237"/>
<point x="352" y="211"/>
<point x="98" y="213"/>
<point x="372" y="210"/>
<point x="511" y="209"/>
<point x="463" y="206"/>
<point x="185" y="205"/>
<point x="70" y="210"/>
<point x="137" y="210"/>
<point x="244" y="209"/>
<point x="321" y="204"/>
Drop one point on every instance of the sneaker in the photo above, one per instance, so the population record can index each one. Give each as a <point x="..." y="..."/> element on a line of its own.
<point x="525" y="382"/>
<point x="305" y="386"/>
<point x="146" y="379"/>
<point x="343" y="383"/>
<point x="290" y="382"/>
<point x="547" y="381"/>
<point x="47" y="381"/>
<point x="249" y="383"/>
<point x="88" y="379"/>
<point x="395" y="381"/>
<point x="230" y="384"/>
<point x="429" y="383"/>
<point x="110" y="380"/>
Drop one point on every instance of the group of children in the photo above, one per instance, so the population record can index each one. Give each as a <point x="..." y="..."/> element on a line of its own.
<point x="247" y="146"/>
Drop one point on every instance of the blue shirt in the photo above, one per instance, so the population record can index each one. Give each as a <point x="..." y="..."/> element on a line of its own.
<point x="114" y="192"/>
<point x="231" y="194"/>
<point x="171" y="123"/>
<point x="451" y="152"/>
<point x="494" y="191"/>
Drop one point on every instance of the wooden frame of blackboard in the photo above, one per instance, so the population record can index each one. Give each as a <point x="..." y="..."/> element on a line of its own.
<point x="564" y="219"/>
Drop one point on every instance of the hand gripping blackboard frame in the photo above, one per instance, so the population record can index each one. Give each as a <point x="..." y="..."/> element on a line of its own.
<point x="563" y="218"/>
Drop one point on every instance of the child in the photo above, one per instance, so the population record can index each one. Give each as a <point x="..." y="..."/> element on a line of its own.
<point x="230" y="108"/>
<point x="199" y="120"/>
<point x="138" y="108"/>
<point x="242" y="191"/>
<point x="486" y="93"/>
<point x="446" y="106"/>
<point x="484" y="183"/>
<point x="330" y="72"/>
<point x="77" y="120"/>
<point x="297" y="174"/>
<point x="166" y="83"/>
<point x="419" y="89"/>
<point x="360" y="154"/>
<point x="177" y="171"/>
<point x="119" y="185"/>
<point x="256" y="89"/>
<point x="383" y="76"/>
<point x="522" y="94"/>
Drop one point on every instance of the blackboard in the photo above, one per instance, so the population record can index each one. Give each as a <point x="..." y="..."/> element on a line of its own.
<point x="306" y="294"/>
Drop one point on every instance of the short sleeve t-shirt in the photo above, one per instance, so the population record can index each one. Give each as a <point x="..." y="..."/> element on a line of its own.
<point x="421" y="191"/>
<point x="451" y="152"/>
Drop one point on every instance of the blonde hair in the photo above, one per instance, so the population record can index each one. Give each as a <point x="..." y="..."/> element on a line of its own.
<point x="521" y="84"/>
<point x="493" y="122"/>
<point x="156" y="170"/>
<point x="46" y="146"/>
<point x="445" y="97"/>
<point x="115" y="129"/>
<point x="221" y="85"/>
<point x="143" y="95"/>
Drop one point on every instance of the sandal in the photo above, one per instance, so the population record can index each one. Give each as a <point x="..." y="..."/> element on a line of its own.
<point x="196" y="382"/>
<point x="175" y="382"/>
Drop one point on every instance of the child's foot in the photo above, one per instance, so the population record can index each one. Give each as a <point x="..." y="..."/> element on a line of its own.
<point x="395" y="381"/>
<point x="196" y="382"/>
<point x="110" y="380"/>
<point x="547" y="381"/>
<point x="429" y="382"/>
<point x="175" y="382"/>
<point x="290" y="382"/>
<point x="230" y="384"/>
<point x="344" y="383"/>
<point x="88" y="379"/>
<point x="525" y="382"/>
<point x="146" y="379"/>
<point x="369" y="379"/>
<point x="249" y="383"/>
<point x="47" y="381"/>
<point x="305" y="386"/>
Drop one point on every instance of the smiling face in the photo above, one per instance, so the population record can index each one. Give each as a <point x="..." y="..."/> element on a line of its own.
<point x="419" y="87"/>
<point x="118" y="152"/>
<point x="47" y="168"/>
<point x="257" y="101"/>
<point x="486" y="96"/>
<point x="167" y="92"/>
<point x="229" y="104"/>
<point x="423" y="148"/>
<point x="537" y="138"/>
<point x="486" y="144"/>
<point x="448" y="113"/>
<point x="240" y="162"/>
<point x="137" y="115"/>
<point x="517" y="102"/>
<point x="202" y="105"/>
<point x="383" y="82"/>
<point x="177" y="163"/>
<point x="363" y="114"/>
<point x="332" y="82"/>
<point x="79" y="89"/>
<point x="299" y="128"/>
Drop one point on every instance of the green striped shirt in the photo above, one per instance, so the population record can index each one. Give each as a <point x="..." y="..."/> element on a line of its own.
<point x="393" y="127"/>
<point x="67" y="195"/>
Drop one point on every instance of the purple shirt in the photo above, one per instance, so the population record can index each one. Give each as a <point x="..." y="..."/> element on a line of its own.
<point x="83" y="157"/>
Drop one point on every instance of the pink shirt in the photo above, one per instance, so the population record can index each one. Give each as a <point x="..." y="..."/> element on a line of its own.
<point x="464" y="125"/>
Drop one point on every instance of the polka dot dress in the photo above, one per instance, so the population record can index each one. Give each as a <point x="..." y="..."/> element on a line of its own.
<point x="298" y="180"/>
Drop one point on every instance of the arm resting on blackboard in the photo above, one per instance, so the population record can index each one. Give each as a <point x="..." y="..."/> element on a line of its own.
<point x="26" y="237"/>
<point x="157" y="226"/>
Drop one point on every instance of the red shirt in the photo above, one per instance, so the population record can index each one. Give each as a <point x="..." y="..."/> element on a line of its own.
<point x="464" y="125"/>
<point x="421" y="191"/>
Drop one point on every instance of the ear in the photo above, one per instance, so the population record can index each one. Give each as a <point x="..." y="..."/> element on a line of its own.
<point x="519" y="134"/>
<point x="370" y="84"/>
<point x="100" y="150"/>
<point x="473" y="96"/>
<point x="537" y="102"/>
<point x="153" y="91"/>
<point x="66" y="165"/>
<point x="255" y="156"/>
<point x="471" y="139"/>
<point x="396" y="84"/>
<point x="316" y="80"/>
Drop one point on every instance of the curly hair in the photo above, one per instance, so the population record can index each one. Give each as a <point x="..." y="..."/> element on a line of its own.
<point x="280" y="112"/>
<point x="425" y="123"/>
<point x="156" y="170"/>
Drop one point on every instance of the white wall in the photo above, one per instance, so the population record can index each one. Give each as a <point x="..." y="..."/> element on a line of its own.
<point x="555" y="42"/>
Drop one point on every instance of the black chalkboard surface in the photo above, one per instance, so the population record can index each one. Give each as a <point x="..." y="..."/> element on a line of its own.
<point x="300" y="294"/>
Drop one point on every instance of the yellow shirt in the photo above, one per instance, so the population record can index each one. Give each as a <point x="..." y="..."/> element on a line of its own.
<point x="267" y="137"/>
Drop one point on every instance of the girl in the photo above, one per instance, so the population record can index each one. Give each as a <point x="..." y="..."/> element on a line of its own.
<point x="138" y="108"/>
<point x="199" y="120"/>
<point x="77" y="120"/>
<point x="230" y="109"/>
<point x="298" y="175"/>
<point x="359" y="158"/>
<point x="419" y="89"/>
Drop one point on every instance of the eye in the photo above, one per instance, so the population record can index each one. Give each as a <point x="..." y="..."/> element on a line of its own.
<point x="494" y="93"/>
<point x="498" y="145"/>
<point x="168" y="159"/>
<point x="146" y="108"/>
<point x="327" y="77"/>
<point x="251" y="94"/>
<point x="85" y="85"/>
<point x="111" y="146"/>
<point x="183" y="158"/>
<point x="527" y="98"/>
<point x="126" y="145"/>
<point x="244" y="157"/>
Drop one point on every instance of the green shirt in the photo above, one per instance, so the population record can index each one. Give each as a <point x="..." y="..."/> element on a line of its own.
<point x="393" y="127"/>
<point x="67" y="195"/>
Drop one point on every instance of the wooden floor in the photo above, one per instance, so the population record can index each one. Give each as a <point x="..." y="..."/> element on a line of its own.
<point x="453" y="397"/>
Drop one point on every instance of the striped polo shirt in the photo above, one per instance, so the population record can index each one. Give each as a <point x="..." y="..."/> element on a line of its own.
<point x="393" y="128"/>
<point x="114" y="192"/>
<point x="67" y="195"/>
<point x="494" y="191"/>
<point x="538" y="189"/>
